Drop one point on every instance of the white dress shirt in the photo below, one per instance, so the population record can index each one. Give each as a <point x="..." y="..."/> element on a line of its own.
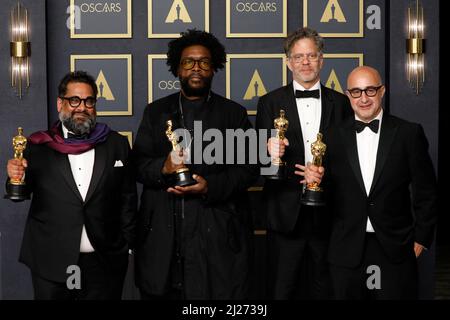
<point x="309" y="112"/>
<point x="367" y="142"/>
<point x="82" y="166"/>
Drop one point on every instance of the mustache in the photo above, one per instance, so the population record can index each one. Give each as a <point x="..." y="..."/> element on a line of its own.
<point x="77" y="112"/>
<point x="78" y="126"/>
<point x="197" y="75"/>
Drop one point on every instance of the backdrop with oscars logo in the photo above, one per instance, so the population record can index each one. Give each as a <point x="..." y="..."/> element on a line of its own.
<point x="123" y="44"/>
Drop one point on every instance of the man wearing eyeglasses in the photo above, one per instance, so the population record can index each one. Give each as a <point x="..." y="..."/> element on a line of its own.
<point x="298" y="235"/>
<point x="382" y="193"/>
<point x="193" y="242"/>
<point x="81" y="219"/>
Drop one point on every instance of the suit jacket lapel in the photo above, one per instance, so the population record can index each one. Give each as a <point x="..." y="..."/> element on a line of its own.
<point x="327" y="107"/>
<point x="292" y="114"/>
<point x="349" y="138"/>
<point x="63" y="164"/>
<point x="99" y="167"/>
<point x="387" y="135"/>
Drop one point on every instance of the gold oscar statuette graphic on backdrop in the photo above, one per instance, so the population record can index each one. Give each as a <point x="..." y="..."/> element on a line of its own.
<point x="183" y="177"/>
<point x="333" y="82"/>
<point x="333" y="13"/>
<point x="104" y="90"/>
<point x="313" y="195"/>
<point x="178" y="13"/>
<point x="16" y="189"/>
<point x="255" y="87"/>
<point x="281" y="125"/>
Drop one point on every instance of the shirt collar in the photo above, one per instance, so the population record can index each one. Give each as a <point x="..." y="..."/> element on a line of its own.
<point x="65" y="131"/>
<point x="298" y="86"/>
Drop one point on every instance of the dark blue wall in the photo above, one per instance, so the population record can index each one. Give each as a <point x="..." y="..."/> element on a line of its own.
<point x="423" y="108"/>
<point x="51" y="49"/>
<point x="31" y="114"/>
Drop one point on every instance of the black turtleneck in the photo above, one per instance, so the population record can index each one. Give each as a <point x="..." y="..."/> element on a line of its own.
<point x="191" y="111"/>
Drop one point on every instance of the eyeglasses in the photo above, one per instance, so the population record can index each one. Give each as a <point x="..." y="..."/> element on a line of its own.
<point x="312" y="57"/>
<point x="188" y="64"/>
<point x="369" y="91"/>
<point x="75" y="101"/>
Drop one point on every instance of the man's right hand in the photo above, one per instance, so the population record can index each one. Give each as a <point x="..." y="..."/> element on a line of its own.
<point x="16" y="168"/>
<point x="277" y="147"/>
<point x="174" y="161"/>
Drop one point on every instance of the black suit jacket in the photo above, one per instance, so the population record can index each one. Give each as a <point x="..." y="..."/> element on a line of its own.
<point x="401" y="204"/>
<point x="282" y="198"/>
<point x="220" y="220"/>
<point x="52" y="235"/>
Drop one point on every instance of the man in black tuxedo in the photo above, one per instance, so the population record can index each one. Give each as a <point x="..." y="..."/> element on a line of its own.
<point x="84" y="200"/>
<point x="298" y="235"/>
<point x="382" y="191"/>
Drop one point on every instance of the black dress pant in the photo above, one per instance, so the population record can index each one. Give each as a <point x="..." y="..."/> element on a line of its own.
<point x="173" y="294"/>
<point x="98" y="282"/>
<point x="298" y="267"/>
<point x="376" y="278"/>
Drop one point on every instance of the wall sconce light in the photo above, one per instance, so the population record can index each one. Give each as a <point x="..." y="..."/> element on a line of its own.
<point x="20" y="49"/>
<point x="415" y="47"/>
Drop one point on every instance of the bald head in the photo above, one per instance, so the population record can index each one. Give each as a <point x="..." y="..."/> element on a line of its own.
<point x="365" y="91"/>
<point x="364" y="72"/>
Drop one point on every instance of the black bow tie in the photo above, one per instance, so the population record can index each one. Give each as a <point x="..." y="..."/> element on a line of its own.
<point x="307" y="94"/>
<point x="83" y="136"/>
<point x="373" y="125"/>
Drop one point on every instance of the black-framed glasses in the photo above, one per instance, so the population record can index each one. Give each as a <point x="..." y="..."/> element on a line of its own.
<point x="75" y="101"/>
<point x="189" y="63"/>
<point x="369" y="91"/>
<point x="312" y="57"/>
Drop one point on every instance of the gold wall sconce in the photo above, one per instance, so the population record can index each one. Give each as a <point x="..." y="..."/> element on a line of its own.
<point x="415" y="47"/>
<point x="20" y="49"/>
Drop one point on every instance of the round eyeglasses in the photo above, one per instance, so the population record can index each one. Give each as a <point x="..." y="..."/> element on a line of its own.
<point x="312" y="57"/>
<point x="75" y="101"/>
<point x="369" y="91"/>
<point x="188" y="64"/>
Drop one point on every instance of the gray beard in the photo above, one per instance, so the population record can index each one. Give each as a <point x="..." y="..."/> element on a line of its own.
<point x="76" y="127"/>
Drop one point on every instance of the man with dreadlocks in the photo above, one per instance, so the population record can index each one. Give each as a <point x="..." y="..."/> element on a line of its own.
<point x="193" y="242"/>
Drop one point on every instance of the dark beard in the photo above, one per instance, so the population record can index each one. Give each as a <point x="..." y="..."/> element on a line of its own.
<point x="76" y="127"/>
<point x="196" y="92"/>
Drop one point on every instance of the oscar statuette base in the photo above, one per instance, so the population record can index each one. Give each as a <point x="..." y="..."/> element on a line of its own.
<point x="16" y="192"/>
<point x="313" y="198"/>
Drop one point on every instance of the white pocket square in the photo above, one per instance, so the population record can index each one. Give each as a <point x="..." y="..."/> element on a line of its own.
<point x="118" y="164"/>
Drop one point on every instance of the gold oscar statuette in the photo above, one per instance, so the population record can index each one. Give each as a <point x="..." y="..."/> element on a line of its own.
<point x="183" y="177"/>
<point x="281" y="125"/>
<point x="313" y="195"/>
<point x="16" y="189"/>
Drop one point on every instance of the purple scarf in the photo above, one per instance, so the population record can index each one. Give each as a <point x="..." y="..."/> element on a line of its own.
<point x="56" y="141"/>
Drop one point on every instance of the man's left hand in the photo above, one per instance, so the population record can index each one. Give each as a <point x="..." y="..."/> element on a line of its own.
<point x="418" y="248"/>
<point x="310" y="173"/>
<point x="201" y="187"/>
